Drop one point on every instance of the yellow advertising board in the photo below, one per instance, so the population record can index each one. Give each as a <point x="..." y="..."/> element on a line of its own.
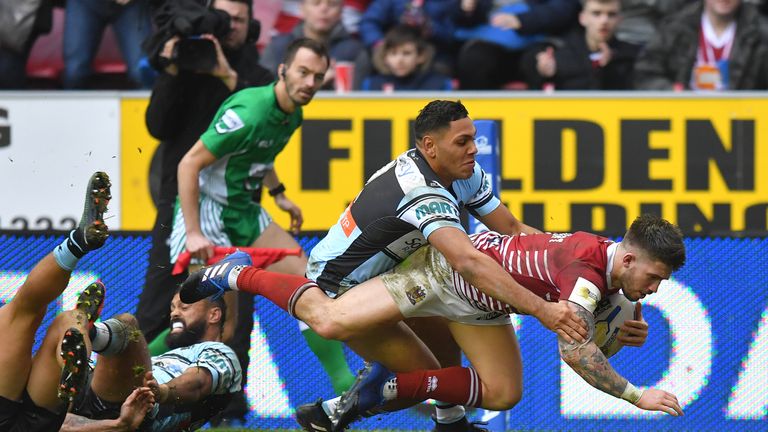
<point x="137" y="148"/>
<point x="567" y="163"/>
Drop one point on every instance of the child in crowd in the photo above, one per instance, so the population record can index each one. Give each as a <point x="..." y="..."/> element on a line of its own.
<point x="589" y="57"/>
<point x="404" y="63"/>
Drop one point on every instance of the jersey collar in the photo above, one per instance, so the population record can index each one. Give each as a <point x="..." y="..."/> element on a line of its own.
<point x="610" y="253"/>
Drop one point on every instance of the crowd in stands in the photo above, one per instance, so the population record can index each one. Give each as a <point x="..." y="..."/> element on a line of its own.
<point x="392" y="45"/>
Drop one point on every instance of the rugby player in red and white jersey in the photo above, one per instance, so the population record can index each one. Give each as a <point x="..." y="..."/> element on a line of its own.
<point x="579" y="269"/>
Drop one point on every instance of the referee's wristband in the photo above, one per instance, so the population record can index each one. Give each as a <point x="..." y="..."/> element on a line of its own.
<point x="631" y="393"/>
<point x="277" y="190"/>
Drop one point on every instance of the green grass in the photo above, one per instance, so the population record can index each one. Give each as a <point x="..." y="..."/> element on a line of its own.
<point x="271" y="430"/>
<point x="252" y="430"/>
<point x="282" y="430"/>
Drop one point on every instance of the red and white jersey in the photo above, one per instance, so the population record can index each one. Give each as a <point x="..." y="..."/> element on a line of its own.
<point x="574" y="266"/>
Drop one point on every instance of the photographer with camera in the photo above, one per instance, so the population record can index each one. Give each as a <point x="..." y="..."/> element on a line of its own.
<point x="189" y="89"/>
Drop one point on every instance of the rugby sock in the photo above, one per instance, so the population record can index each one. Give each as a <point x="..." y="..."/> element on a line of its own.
<point x="281" y="289"/>
<point x="108" y="337"/>
<point x="452" y="385"/>
<point x="331" y="356"/>
<point x="448" y="413"/>
<point x="69" y="252"/>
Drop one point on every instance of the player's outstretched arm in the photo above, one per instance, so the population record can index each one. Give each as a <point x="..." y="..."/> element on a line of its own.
<point x="132" y="413"/>
<point x="484" y="273"/>
<point x="503" y="221"/>
<point x="191" y="386"/>
<point x="590" y="363"/>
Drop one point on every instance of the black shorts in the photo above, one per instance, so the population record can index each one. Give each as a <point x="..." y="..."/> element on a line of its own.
<point x="91" y="406"/>
<point x="26" y="416"/>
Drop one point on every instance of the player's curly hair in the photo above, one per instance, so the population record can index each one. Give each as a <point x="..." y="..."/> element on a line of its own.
<point x="438" y="114"/>
<point x="659" y="238"/>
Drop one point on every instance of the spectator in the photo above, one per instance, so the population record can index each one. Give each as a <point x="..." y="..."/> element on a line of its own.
<point x="21" y="22"/>
<point x="485" y="64"/>
<point x="710" y="45"/>
<point x="181" y="107"/>
<point x="84" y="24"/>
<point x="438" y="20"/>
<point x="589" y="57"/>
<point x="352" y="13"/>
<point x="290" y="15"/>
<point x="640" y="19"/>
<point x="404" y="64"/>
<point x="321" y="22"/>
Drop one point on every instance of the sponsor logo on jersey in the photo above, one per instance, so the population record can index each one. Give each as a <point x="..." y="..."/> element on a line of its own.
<point x="558" y="237"/>
<point x="490" y="316"/>
<point x="431" y="383"/>
<point x="416" y="294"/>
<point x="586" y="294"/>
<point x="347" y="222"/>
<point x="404" y="169"/>
<point x="229" y="122"/>
<point x="404" y="246"/>
<point x="435" y="208"/>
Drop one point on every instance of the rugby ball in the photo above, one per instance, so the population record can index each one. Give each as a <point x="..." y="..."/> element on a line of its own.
<point x="610" y="314"/>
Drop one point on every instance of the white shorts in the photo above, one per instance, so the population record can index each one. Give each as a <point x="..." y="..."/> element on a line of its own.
<point x="422" y="286"/>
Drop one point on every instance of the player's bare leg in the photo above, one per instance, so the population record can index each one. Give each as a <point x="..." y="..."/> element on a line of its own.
<point x="21" y="317"/>
<point x="494" y="354"/>
<point x="329" y="352"/>
<point x="48" y="361"/>
<point x="65" y="351"/>
<point x="122" y="362"/>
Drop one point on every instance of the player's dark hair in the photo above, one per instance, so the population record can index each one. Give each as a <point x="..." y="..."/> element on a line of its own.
<point x="437" y="115"/>
<point x="659" y="238"/>
<point x="221" y="304"/>
<point x="316" y="47"/>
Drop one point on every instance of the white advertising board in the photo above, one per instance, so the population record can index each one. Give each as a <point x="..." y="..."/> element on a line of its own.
<point x="49" y="147"/>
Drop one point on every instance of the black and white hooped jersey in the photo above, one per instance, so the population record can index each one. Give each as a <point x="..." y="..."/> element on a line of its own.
<point x="395" y="213"/>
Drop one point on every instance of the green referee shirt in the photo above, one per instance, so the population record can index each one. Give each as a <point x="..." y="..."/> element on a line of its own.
<point x="247" y="133"/>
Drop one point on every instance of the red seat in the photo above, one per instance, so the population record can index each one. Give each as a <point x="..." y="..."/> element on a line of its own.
<point x="46" y="60"/>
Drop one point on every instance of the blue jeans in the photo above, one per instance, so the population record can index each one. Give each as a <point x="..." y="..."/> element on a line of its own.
<point x="12" y="69"/>
<point x="84" y="24"/>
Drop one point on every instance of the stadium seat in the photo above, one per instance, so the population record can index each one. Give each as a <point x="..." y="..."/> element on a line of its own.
<point x="46" y="59"/>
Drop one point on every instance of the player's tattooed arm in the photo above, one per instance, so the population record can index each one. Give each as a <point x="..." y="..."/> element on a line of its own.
<point x="74" y="422"/>
<point x="588" y="361"/>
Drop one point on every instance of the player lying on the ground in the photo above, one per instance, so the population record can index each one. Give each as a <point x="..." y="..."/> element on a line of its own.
<point x="191" y="383"/>
<point x="35" y="391"/>
<point x="580" y="269"/>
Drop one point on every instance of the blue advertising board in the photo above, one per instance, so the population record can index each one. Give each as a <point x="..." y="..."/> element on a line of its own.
<point x="708" y="344"/>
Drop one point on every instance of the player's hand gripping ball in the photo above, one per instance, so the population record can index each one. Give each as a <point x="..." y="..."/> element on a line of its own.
<point x="610" y="314"/>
